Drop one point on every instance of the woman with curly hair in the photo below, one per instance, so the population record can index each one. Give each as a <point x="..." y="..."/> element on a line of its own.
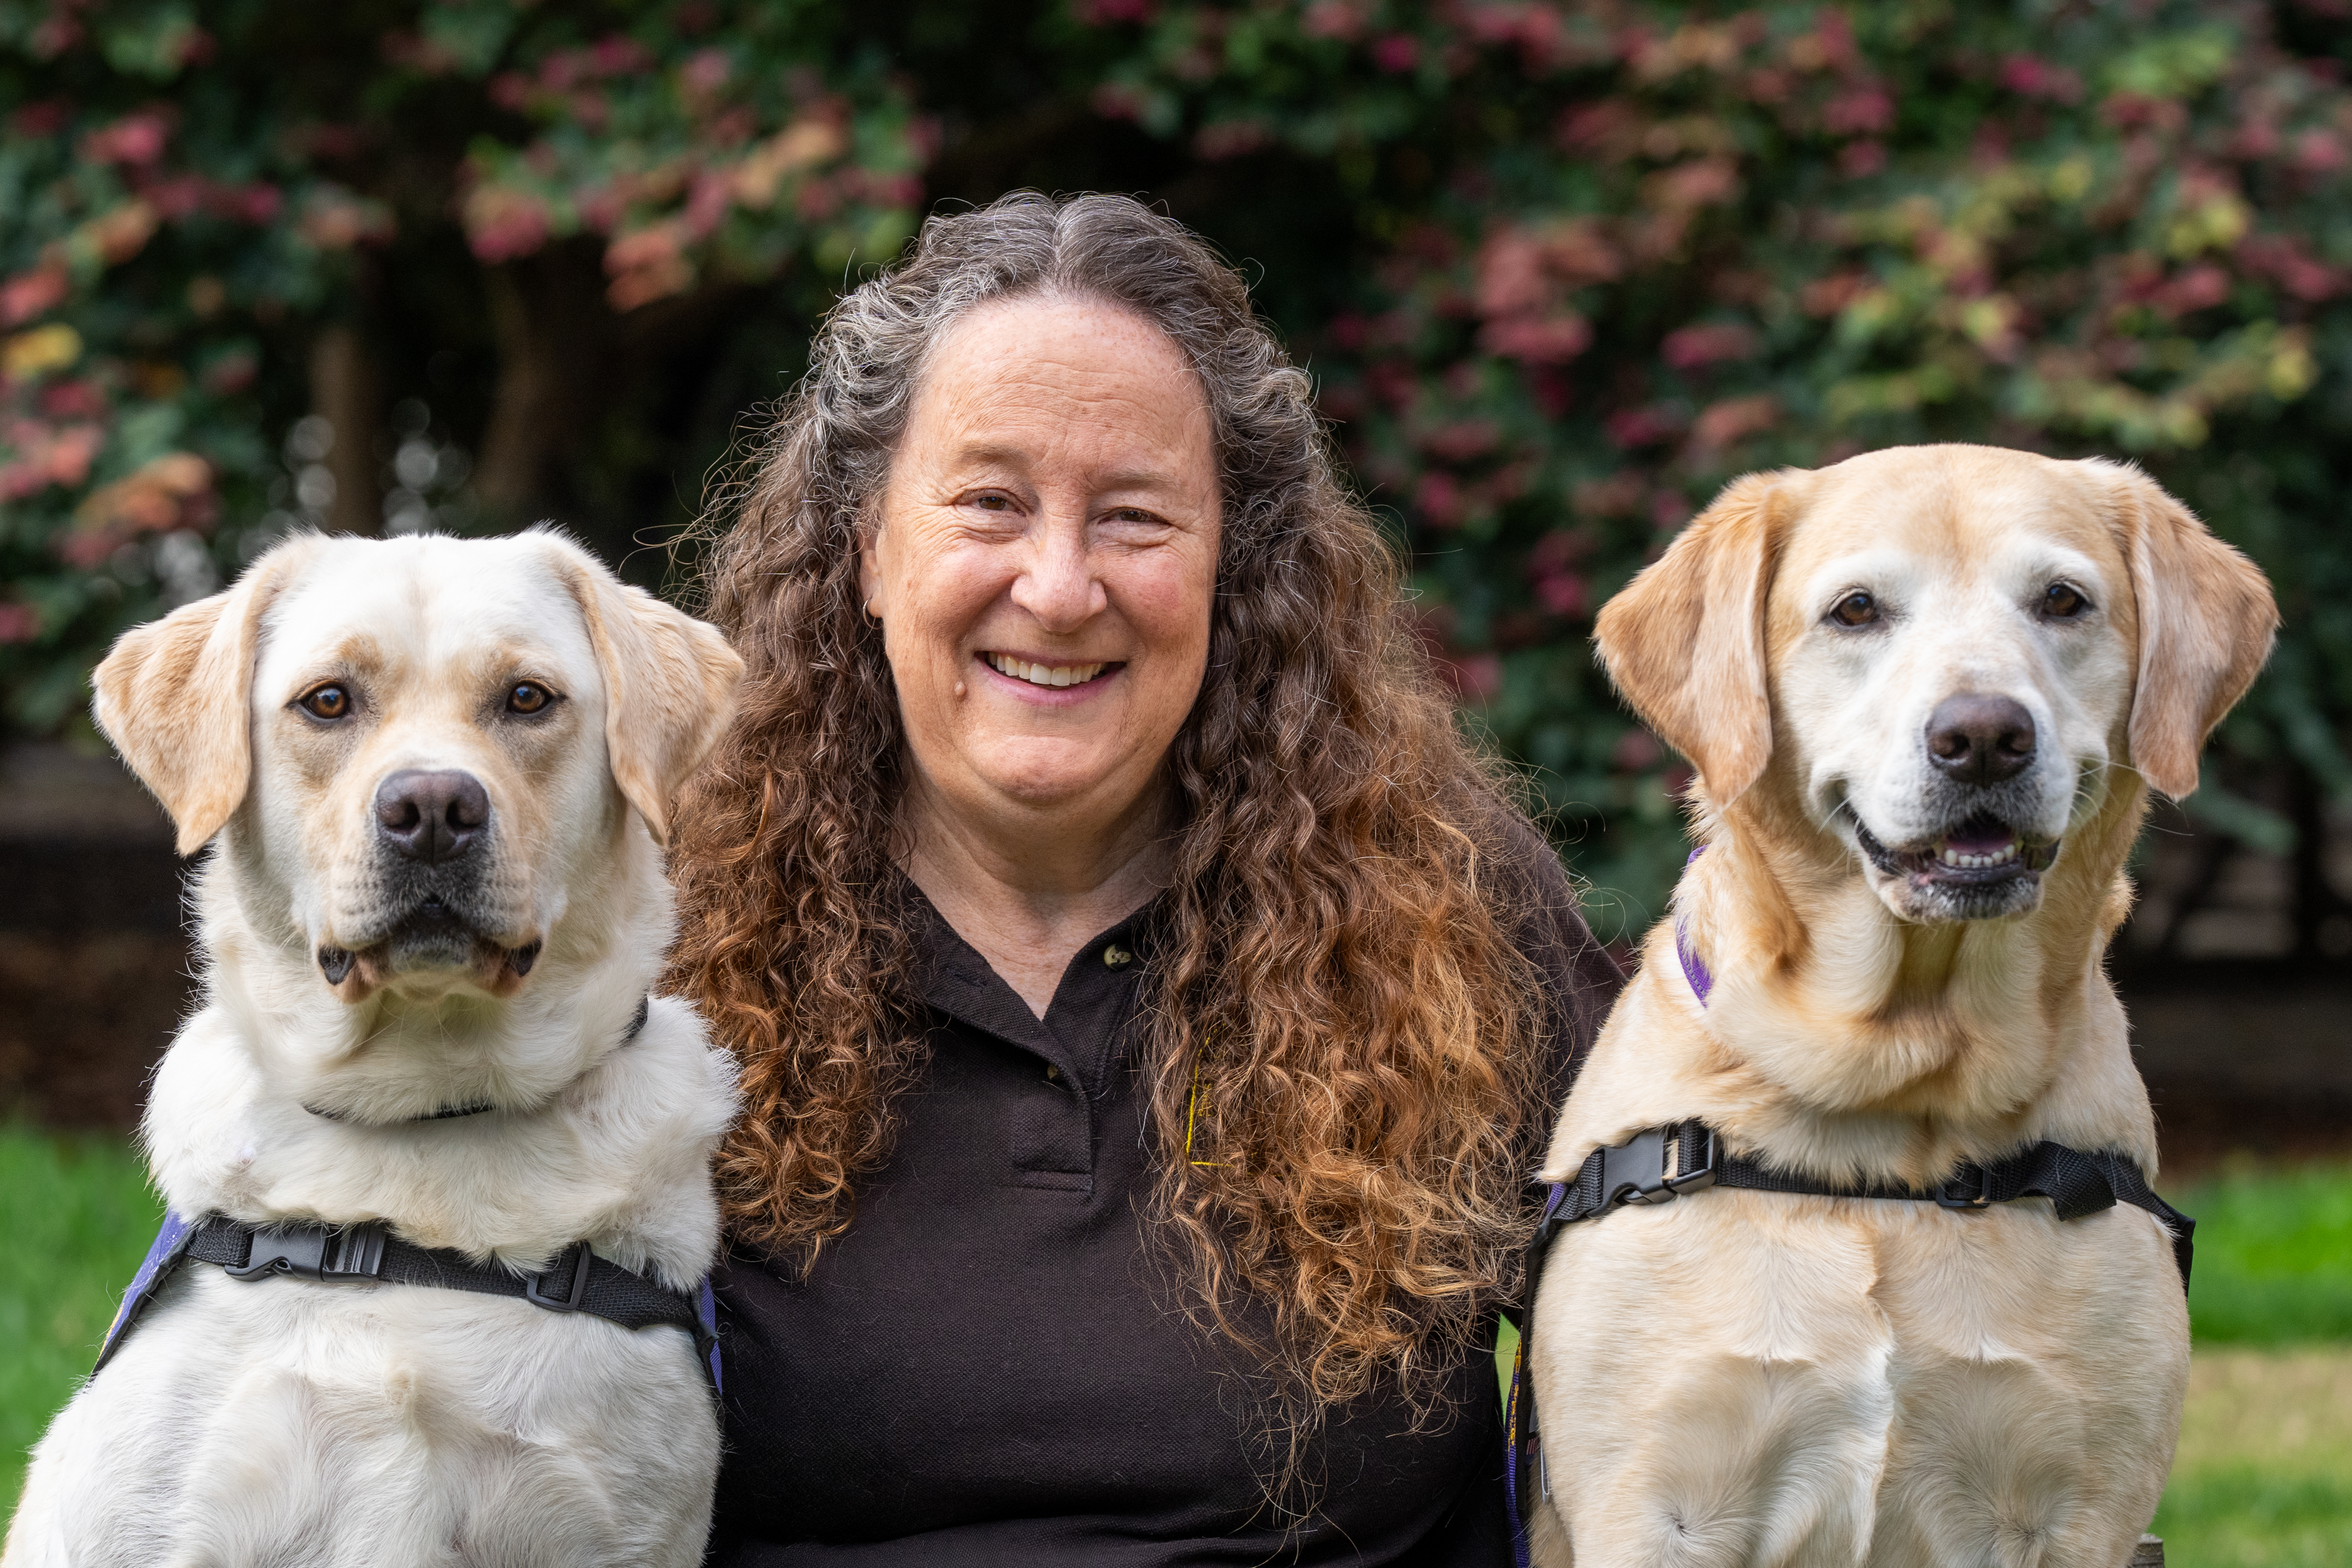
<point x="1149" y="1008"/>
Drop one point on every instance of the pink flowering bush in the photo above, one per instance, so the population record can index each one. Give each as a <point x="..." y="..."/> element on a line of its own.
<point x="1560" y="269"/>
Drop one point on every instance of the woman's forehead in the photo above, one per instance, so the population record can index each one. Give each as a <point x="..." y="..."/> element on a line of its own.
<point x="1021" y="377"/>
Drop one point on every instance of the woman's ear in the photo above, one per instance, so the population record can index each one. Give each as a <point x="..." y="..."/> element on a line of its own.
<point x="870" y="570"/>
<point x="1685" y="641"/>
<point x="2207" y="621"/>
<point x="669" y="684"/>
<point x="176" y="698"/>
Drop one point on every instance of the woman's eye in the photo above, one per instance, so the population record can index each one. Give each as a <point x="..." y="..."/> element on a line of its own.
<point x="1856" y="609"/>
<point x="327" y="702"/>
<point x="993" y="503"/>
<point x="2064" y="602"/>
<point x="528" y="697"/>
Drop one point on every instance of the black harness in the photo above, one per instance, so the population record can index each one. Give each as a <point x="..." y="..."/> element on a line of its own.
<point x="1663" y="1164"/>
<point x="577" y="1281"/>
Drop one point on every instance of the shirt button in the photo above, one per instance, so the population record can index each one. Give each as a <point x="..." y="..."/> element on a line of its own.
<point x="1053" y="1073"/>
<point x="1115" y="955"/>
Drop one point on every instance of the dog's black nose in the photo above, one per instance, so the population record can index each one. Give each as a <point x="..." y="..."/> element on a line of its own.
<point x="431" y="816"/>
<point x="1980" y="739"/>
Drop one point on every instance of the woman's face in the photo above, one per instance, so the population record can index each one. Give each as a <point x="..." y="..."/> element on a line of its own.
<point x="1045" y="557"/>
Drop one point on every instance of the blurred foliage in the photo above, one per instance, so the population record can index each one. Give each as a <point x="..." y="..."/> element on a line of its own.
<point x="1561" y="270"/>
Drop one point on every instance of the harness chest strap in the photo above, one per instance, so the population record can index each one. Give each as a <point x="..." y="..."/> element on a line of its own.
<point x="578" y="1280"/>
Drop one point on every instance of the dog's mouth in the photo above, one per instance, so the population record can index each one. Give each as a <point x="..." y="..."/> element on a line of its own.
<point x="1982" y="851"/>
<point x="432" y="935"/>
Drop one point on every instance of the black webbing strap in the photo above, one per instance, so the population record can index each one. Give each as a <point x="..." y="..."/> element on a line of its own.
<point x="1656" y="1166"/>
<point x="578" y="1282"/>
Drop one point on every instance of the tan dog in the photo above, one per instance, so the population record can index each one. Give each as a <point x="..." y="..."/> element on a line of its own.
<point x="1925" y="691"/>
<point x="436" y="771"/>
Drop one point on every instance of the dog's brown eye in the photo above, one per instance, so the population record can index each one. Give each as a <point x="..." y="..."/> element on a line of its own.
<point x="2064" y="602"/>
<point x="528" y="697"/>
<point x="1856" y="609"/>
<point x="326" y="701"/>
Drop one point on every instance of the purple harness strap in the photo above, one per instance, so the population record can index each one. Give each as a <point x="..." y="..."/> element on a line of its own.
<point x="161" y="1258"/>
<point x="1694" y="971"/>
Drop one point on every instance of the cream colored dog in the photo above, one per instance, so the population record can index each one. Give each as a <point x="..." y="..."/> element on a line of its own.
<point x="1925" y="691"/>
<point x="438" y="771"/>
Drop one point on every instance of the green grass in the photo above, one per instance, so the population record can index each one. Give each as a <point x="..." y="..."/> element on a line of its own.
<point x="2264" y="1475"/>
<point x="2273" y="1257"/>
<point x="75" y="1218"/>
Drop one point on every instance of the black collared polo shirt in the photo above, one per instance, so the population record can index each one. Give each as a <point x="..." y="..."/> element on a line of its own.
<point x="994" y="1364"/>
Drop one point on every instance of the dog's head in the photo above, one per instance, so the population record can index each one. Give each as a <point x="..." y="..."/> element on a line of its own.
<point x="425" y="746"/>
<point x="1944" y="654"/>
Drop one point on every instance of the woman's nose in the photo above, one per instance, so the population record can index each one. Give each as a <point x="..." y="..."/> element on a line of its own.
<point x="1058" y="585"/>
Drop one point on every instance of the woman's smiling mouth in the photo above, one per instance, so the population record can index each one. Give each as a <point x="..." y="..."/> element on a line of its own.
<point x="1038" y="674"/>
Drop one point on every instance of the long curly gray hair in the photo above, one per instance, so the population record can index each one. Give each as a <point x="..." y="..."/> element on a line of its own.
<point x="1339" y="1023"/>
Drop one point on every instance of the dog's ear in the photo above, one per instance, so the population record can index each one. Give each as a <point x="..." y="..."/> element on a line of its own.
<point x="2207" y="621"/>
<point x="176" y="698"/>
<point x="669" y="685"/>
<point x="1685" y="641"/>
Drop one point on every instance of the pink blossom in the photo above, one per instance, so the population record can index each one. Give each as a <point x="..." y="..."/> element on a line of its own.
<point x="503" y="224"/>
<point x="1733" y="419"/>
<point x="705" y="72"/>
<point x="1867" y="109"/>
<point x="136" y="139"/>
<point x="82" y="399"/>
<point x="616" y="53"/>
<point x="1860" y="160"/>
<point x="18" y="622"/>
<point x="1474" y="678"/>
<point x="1647" y="426"/>
<point x="2321" y="151"/>
<point x="1461" y="440"/>
<point x="1636" y="751"/>
<point x="1538" y="341"/>
<point x="1565" y="594"/>
<point x="1439" y="500"/>
<point x="1396" y="53"/>
<point x="1707" y="343"/>
<point x="28" y="294"/>
<point x="2030" y="76"/>
<point x="1340" y="19"/>
<point x="706" y="204"/>
<point x="45" y="118"/>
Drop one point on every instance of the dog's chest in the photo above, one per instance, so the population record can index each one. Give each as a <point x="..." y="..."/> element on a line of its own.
<point x="399" y="1425"/>
<point x="1800" y="1379"/>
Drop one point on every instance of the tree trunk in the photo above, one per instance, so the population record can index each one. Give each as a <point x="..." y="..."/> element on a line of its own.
<point x="555" y="335"/>
<point x="344" y="392"/>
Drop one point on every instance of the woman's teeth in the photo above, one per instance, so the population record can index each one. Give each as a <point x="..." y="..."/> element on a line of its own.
<point x="1042" y="674"/>
<point x="2002" y="856"/>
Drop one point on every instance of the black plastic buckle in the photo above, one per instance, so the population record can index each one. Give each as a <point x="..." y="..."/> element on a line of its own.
<point x="326" y="1254"/>
<point x="1953" y="1191"/>
<point x="572" y="1266"/>
<point x="1647" y="1177"/>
